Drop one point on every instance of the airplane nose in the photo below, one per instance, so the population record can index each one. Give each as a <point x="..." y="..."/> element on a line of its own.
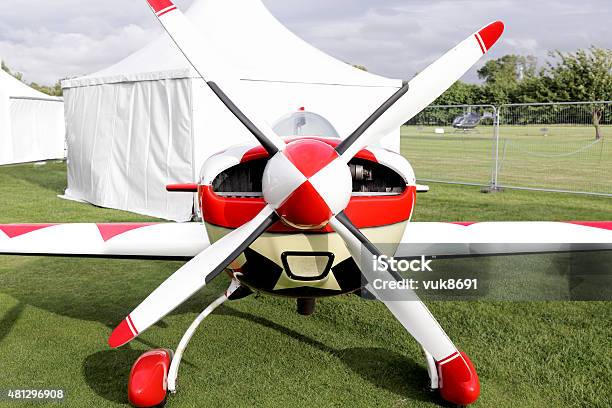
<point x="297" y="184"/>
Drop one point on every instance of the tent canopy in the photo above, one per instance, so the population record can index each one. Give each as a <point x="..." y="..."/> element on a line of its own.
<point x="14" y="88"/>
<point x="32" y="124"/>
<point x="247" y="38"/>
<point x="149" y="120"/>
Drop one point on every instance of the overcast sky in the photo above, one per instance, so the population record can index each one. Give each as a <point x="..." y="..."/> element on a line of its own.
<point x="48" y="40"/>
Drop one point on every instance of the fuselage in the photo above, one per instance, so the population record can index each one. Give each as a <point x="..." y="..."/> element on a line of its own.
<point x="288" y="261"/>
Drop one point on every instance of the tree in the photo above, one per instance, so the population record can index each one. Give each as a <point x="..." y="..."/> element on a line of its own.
<point x="585" y="75"/>
<point x="460" y="93"/>
<point x="503" y="77"/>
<point x="17" y="75"/>
<point x="55" y="90"/>
<point x="508" y="69"/>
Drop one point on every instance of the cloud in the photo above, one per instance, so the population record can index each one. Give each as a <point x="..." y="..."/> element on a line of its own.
<point x="47" y="40"/>
<point x="51" y="40"/>
<point x="400" y="38"/>
<point x="45" y="56"/>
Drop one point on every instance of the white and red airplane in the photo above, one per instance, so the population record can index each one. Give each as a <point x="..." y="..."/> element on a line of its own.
<point x="296" y="216"/>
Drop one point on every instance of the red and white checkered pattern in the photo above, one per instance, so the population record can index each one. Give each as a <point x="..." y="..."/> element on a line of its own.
<point x="306" y="185"/>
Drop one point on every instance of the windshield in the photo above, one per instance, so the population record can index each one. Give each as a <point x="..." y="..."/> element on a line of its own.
<point x="305" y="124"/>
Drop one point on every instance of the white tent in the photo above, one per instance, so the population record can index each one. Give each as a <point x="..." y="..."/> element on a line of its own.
<point x="31" y="123"/>
<point x="149" y="120"/>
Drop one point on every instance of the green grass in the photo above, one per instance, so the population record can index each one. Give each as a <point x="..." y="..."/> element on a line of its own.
<point x="56" y="314"/>
<point x="559" y="158"/>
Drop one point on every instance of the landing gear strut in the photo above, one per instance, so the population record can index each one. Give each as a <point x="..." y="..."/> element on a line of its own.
<point x="305" y="306"/>
<point x="154" y="374"/>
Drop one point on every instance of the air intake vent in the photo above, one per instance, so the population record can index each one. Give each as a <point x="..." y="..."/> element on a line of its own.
<point x="369" y="179"/>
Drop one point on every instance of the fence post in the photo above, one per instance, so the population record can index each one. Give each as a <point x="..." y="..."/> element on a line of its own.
<point x="496" y="122"/>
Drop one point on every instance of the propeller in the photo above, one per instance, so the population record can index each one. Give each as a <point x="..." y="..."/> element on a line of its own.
<point x="410" y="310"/>
<point x="422" y="90"/>
<point x="192" y="277"/>
<point x="185" y="35"/>
<point x="306" y="184"/>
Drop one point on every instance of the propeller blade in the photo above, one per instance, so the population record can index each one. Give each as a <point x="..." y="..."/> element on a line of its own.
<point x="346" y="143"/>
<point x="411" y="312"/>
<point x="185" y="35"/>
<point x="191" y="277"/>
<point x="422" y="90"/>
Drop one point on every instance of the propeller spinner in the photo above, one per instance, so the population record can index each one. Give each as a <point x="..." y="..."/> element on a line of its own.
<point x="304" y="185"/>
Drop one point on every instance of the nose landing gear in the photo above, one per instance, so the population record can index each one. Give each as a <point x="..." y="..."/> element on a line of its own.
<point x="155" y="372"/>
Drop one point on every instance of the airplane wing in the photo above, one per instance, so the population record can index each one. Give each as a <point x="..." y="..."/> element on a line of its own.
<point x="186" y="240"/>
<point x="155" y="240"/>
<point x="458" y="240"/>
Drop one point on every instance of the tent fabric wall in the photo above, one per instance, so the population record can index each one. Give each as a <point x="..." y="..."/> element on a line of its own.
<point x="278" y="73"/>
<point x="216" y="129"/>
<point x="32" y="126"/>
<point x="6" y="135"/>
<point x="128" y="143"/>
<point x="38" y="129"/>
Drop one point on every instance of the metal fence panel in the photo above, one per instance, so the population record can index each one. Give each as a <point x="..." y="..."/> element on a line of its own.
<point x="441" y="152"/>
<point x="565" y="147"/>
<point x="555" y="147"/>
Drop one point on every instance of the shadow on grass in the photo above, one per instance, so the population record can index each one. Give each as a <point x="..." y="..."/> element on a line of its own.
<point x="97" y="290"/>
<point x="9" y="320"/>
<point x="102" y="291"/>
<point x="107" y="372"/>
<point x="381" y="367"/>
<point x="50" y="176"/>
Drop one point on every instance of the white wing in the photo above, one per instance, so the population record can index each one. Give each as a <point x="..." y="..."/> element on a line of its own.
<point x="503" y="238"/>
<point x="160" y="240"/>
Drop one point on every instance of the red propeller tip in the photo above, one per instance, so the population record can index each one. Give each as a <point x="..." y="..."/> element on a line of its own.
<point x="491" y="33"/>
<point x="459" y="380"/>
<point x="121" y="335"/>
<point x="159" y="5"/>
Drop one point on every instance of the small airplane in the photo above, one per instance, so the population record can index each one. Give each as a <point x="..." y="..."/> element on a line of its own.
<point x="297" y="216"/>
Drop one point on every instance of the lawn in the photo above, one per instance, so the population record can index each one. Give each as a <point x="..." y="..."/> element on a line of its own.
<point x="547" y="156"/>
<point x="56" y="314"/>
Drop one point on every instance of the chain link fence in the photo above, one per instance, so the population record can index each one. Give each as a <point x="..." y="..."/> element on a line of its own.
<point x="555" y="147"/>
<point x="451" y="144"/>
<point x="565" y="147"/>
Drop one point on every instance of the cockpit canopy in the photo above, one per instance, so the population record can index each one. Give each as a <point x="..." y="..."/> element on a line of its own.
<point x="304" y="123"/>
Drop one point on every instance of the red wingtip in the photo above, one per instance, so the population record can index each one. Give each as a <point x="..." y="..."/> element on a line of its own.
<point x="121" y="335"/>
<point x="491" y="33"/>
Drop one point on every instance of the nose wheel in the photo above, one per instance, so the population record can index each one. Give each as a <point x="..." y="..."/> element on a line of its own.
<point x="148" y="382"/>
